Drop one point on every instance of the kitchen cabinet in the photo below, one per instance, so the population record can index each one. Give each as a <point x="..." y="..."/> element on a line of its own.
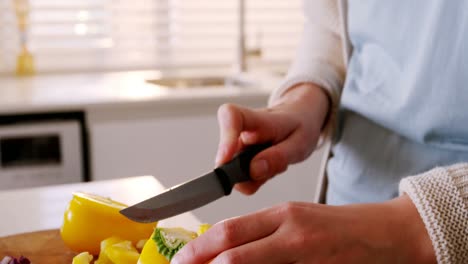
<point x="179" y="145"/>
<point x="137" y="128"/>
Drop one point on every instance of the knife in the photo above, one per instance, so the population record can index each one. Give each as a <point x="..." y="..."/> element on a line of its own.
<point x="197" y="192"/>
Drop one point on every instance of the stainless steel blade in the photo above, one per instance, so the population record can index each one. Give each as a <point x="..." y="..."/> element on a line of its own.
<point x="176" y="200"/>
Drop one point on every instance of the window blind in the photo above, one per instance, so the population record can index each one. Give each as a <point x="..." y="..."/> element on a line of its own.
<point x="106" y="35"/>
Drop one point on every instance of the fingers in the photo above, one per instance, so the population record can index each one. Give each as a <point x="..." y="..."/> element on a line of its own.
<point x="230" y="126"/>
<point x="276" y="159"/>
<point x="266" y="250"/>
<point x="242" y="126"/>
<point x="233" y="120"/>
<point x="249" y="188"/>
<point x="227" y="235"/>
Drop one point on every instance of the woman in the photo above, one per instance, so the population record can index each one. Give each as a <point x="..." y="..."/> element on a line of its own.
<point x="401" y="111"/>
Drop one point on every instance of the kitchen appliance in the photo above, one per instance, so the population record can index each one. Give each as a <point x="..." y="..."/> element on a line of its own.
<point x="197" y="192"/>
<point x="39" y="153"/>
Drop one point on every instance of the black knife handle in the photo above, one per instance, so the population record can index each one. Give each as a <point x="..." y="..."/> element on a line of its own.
<point x="238" y="169"/>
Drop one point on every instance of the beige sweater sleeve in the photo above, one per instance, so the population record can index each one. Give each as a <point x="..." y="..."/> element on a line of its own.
<point x="441" y="198"/>
<point x="319" y="57"/>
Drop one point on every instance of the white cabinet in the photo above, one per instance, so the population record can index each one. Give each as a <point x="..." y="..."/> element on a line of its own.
<point x="168" y="148"/>
<point x="177" y="145"/>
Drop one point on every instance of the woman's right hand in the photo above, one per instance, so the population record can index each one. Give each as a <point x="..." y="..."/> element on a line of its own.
<point x="292" y="124"/>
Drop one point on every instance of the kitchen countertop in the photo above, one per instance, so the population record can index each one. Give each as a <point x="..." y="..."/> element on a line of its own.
<point x="85" y="91"/>
<point x="42" y="208"/>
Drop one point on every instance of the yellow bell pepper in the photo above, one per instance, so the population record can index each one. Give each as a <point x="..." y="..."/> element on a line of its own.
<point x="150" y="254"/>
<point x="82" y="258"/>
<point x="122" y="253"/>
<point x="103" y="259"/>
<point x="203" y="228"/>
<point x="89" y="219"/>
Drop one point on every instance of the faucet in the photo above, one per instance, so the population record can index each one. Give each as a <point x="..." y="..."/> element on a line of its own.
<point x="242" y="52"/>
<point x="240" y="65"/>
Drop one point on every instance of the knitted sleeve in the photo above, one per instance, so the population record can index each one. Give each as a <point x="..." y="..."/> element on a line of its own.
<point x="441" y="198"/>
<point x="319" y="57"/>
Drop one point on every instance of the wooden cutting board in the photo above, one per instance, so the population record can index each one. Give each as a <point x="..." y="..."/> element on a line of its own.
<point x="44" y="247"/>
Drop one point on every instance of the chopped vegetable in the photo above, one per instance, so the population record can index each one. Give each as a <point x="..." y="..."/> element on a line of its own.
<point x="166" y="242"/>
<point x="83" y="258"/>
<point x="139" y="246"/>
<point x="11" y="260"/>
<point x="122" y="253"/>
<point x="203" y="228"/>
<point x="6" y="260"/>
<point x="103" y="259"/>
<point x="171" y="240"/>
<point x="150" y="254"/>
<point x="89" y="219"/>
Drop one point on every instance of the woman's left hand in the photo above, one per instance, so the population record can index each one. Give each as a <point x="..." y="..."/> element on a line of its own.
<point x="390" y="232"/>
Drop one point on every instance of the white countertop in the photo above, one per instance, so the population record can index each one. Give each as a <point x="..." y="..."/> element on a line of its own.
<point x="42" y="208"/>
<point x="93" y="90"/>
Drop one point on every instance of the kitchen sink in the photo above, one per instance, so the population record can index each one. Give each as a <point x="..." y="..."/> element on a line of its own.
<point x="203" y="82"/>
<point x="190" y="82"/>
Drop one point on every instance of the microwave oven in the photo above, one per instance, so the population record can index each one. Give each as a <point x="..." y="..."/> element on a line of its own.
<point x="43" y="153"/>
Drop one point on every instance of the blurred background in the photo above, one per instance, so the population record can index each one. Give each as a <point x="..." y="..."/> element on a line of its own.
<point x="108" y="35"/>
<point x="94" y="90"/>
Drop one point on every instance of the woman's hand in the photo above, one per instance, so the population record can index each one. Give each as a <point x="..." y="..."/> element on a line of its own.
<point x="292" y="125"/>
<point x="390" y="232"/>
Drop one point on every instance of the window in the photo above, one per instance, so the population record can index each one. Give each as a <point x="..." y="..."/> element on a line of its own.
<point x="105" y="35"/>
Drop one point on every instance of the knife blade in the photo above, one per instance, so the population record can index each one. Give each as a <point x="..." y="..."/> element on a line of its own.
<point x="196" y="192"/>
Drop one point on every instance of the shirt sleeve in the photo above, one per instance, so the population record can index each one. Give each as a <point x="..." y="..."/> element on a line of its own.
<point x="319" y="58"/>
<point x="441" y="198"/>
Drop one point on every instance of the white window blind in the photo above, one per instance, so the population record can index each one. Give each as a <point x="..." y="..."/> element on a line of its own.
<point x="105" y="35"/>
